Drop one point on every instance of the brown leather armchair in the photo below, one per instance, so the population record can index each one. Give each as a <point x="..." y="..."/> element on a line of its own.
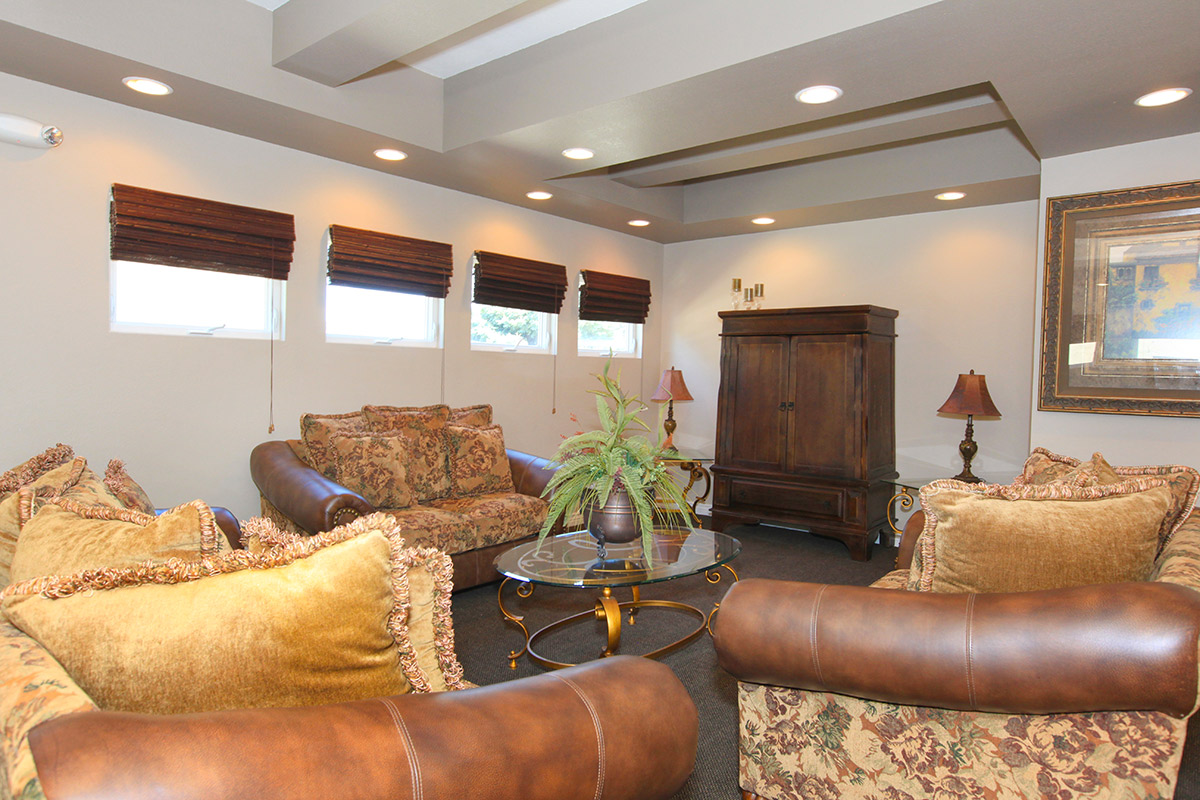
<point x="301" y="499"/>
<point x="622" y="727"/>
<point x="849" y="691"/>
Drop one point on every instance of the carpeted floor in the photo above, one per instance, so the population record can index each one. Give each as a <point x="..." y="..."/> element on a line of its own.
<point x="484" y="638"/>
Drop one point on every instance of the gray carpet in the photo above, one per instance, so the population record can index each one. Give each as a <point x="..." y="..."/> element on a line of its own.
<point x="484" y="638"/>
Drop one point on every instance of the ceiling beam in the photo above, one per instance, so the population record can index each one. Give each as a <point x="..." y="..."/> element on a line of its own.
<point x="334" y="43"/>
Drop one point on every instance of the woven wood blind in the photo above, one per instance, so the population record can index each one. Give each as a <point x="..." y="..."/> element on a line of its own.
<point x="519" y="282"/>
<point x="371" y="260"/>
<point x="613" y="298"/>
<point x="179" y="231"/>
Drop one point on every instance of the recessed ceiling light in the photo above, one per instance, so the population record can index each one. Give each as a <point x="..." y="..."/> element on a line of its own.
<point x="949" y="196"/>
<point x="578" y="153"/>
<point x="818" y="94"/>
<point x="146" y="85"/>
<point x="639" y="223"/>
<point x="1162" y="97"/>
<point x="539" y="195"/>
<point x="763" y="220"/>
<point x="390" y="154"/>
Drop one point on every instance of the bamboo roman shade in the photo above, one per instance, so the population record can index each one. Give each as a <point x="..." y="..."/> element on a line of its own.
<point x="519" y="282"/>
<point x="179" y="231"/>
<point x="371" y="260"/>
<point x="613" y="298"/>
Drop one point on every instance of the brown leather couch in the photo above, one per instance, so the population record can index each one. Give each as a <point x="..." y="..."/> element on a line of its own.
<point x="1029" y="694"/>
<point x="296" y="495"/>
<point x="622" y="727"/>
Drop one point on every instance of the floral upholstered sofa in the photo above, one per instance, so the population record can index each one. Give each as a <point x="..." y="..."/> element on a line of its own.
<point x="443" y="473"/>
<point x="139" y="651"/>
<point x="1035" y="641"/>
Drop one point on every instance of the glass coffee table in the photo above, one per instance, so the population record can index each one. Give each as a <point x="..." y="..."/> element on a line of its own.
<point x="570" y="560"/>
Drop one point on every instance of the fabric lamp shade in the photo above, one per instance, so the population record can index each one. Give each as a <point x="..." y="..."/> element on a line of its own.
<point x="970" y="397"/>
<point x="671" y="387"/>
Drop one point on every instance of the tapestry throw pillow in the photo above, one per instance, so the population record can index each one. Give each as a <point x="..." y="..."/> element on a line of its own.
<point x="317" y="432"/>
<point x="125" y="488"/>
<point x="991" y="538"/>
<point x="475" y="416"/>
<point x="323" y="620"/>
<point x="478" y="461"/>
<point x="72" y="480"/>
<point x="59" y="537"/>
<point x="374" y="467"/>
<point x="427" y="463"/>
<point x="430" y="574"/>
<point x="1042" y="466"/>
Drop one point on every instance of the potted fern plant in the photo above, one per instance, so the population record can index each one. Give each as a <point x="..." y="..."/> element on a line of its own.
<point x="614" y="475"/>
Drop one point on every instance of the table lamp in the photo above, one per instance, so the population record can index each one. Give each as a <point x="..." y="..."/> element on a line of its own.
<point x="970" y="397"/>
<point x="670" y="389"/>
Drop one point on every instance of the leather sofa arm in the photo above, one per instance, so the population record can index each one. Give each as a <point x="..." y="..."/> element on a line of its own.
<point x="1113" y="647"/>
<point x="622" y="727"/>
<point x="304" y="495"/>
<point x="530" y="473"/>
<point x="229" y="525"/>
<point x="908" y="539"/>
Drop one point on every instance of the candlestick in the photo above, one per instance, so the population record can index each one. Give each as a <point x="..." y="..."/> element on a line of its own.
<point x="737" y="284"/>
<point x="758" y="290"/>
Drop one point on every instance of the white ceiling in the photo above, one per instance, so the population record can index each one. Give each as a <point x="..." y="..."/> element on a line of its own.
<point x="687" y="103"/>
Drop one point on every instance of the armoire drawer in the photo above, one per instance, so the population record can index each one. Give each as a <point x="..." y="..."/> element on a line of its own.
<point x="822" y="502"/>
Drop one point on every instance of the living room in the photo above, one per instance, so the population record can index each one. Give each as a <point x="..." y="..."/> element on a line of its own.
<point x="184" y="412"/>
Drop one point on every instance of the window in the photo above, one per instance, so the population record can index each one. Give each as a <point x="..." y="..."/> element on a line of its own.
<point x="601" y="338"/>
<point x="512" y="329"/>
<point x="152" y="298"/>
<point x="380" y="317"/>
<point x="184" y="265"/>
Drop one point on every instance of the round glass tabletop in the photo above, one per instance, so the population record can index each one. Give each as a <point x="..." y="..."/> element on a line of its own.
<point x="570" y="559"/>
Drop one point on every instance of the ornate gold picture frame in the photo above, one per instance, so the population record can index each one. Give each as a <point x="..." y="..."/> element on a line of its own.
<point x="1121" y="302"/>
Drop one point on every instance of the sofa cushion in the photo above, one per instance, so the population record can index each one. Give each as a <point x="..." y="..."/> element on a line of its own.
<point x="429" y="526"/>
<point x="64" y="537"/>
<point x="1043" y="467"/>
<point x="499" y="517"/>
<point x="34" y="688"/>
<point x="33" y="468"/>
<point x="478" y="460"/>
<point x="72" y="480"/>
<point x="429" y="573"/>
<point x="476" y="416"/>
<point x="375" y="467"/>
<point x="991" y="538"/>
<point x="125" y="488"/>
<point x="383" y="419"/>
<point x="428" y="464"/>
<point x="323" y="620"/>
<point x="317" y="432"/>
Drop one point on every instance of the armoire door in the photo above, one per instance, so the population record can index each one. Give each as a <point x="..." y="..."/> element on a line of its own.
<point x="754" y="402"/>
<point x="827" y="421"/>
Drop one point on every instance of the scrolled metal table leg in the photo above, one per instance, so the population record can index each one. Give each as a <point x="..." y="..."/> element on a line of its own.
<point x="609" y="610"/>
<point x="523" y="590"/>
<point x="714" y="576"/>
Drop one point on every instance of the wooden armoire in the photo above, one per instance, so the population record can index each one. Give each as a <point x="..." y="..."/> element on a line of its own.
<point x="806" y="432"/>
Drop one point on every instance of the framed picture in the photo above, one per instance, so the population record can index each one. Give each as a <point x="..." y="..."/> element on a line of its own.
<point x="1121" y="302"/>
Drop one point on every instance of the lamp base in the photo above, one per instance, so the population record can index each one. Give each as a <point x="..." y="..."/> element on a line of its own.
<point x="966" y="477"/>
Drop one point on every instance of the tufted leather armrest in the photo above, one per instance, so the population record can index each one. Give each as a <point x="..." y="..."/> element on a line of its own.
<point x="1114" y="647"/>
<point x="622" y="727"/>
<point x="304" y="495"/>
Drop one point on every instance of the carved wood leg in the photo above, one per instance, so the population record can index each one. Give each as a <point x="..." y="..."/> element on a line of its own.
<point x="860" y="546"/>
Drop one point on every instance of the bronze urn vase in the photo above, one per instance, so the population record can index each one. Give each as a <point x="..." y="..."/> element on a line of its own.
<point x="616" y="521"/>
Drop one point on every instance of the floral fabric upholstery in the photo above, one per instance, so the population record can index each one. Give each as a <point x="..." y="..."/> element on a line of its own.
<point x="804" y="745"/>
<point x="499" y="517"/>
<point x="33" y="688"/>
<point x="817" y="746"/>
<point x="126" y="489"/>
<point x="426" y="526"/>
<point x="424" y="431"/>
<point x="478" y="461"/>
<point x="374" y="467"/>
<point x="317" y="432"/>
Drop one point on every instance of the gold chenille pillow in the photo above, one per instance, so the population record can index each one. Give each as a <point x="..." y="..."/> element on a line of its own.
<point x="991" y="538"/>
<point x="478" y="460"/>
<point x="125" y="488"/>
<point x="63" y="536"/>
<point x="323" y="620"/>
<point x="1184" y="483"/>
<point x="374" y="467"/>
<point x="430" y="574"/>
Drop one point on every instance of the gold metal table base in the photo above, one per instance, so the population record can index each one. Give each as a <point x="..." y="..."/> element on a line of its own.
<point x="608" y="609"/>
<point x="906" y="502"/>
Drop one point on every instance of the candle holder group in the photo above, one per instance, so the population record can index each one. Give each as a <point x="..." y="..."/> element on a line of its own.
<point x="749" y="299"/>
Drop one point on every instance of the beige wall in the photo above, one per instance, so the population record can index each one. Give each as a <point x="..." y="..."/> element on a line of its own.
<point x="961" y="280"/>
<point x="183" y="412"/>
<point x="1123" y="439"/>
